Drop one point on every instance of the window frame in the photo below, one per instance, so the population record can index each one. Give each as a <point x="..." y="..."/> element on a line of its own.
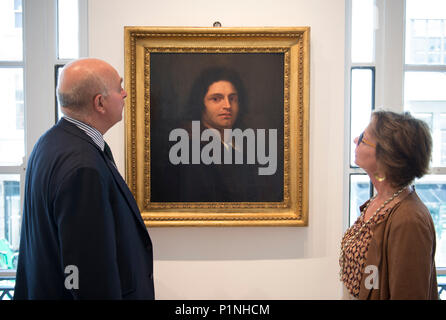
<point x="390" y="38"/>
<point x="38" y="64"/>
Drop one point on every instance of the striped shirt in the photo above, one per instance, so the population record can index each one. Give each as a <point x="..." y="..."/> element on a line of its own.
<point x="93" y="133"/>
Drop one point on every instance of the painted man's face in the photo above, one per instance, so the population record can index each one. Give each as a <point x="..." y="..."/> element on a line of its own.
<point x="221" y="106"/>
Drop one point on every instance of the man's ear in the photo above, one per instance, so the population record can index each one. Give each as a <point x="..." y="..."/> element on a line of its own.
<point x="98" y="101"/>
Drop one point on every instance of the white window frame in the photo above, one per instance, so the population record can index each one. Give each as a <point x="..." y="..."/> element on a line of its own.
<point x="39" y="61"/>
<point x="389" y="77"/>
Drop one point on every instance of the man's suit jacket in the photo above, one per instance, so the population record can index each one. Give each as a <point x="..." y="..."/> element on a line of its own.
<point x="79" y="212"/>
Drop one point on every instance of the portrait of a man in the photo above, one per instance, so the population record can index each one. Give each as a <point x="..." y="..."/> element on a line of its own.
<point x="216" y="127"/>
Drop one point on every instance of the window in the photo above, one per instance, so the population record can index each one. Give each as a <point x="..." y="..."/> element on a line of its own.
<point x="57" y="70"/>
<point x="402" y="67"/>
<point x="12" y="131"/>
<point x="424" y="93"/>
<point x="18" y="14"/>
<point x="71" y="37"/>
<point x="361" y="83"/>
<point x="425" y="36"/>
<point x="68" y="29"/>
<point x="362" y="101"/>
<point x="27" y="86"/>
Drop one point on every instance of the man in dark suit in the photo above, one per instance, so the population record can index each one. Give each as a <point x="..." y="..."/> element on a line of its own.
<point x="82" y="233"/>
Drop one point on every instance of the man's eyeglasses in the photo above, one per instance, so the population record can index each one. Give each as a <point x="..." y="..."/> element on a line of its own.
<point x="361" y="139"/>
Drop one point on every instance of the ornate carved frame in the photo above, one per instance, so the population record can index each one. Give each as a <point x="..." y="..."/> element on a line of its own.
<point x="140" y="42"/>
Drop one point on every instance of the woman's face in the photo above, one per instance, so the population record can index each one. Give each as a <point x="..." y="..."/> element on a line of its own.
<point x="221" y="105"/>
<point x="365" y="152"/>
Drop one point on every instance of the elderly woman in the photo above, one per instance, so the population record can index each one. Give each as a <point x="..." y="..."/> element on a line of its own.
<point x="389" y="251"/>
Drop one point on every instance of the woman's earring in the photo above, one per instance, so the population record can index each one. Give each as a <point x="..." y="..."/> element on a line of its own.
<point x="380" y="179"/>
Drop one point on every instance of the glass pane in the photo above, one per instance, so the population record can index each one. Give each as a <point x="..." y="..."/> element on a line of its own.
<point x="7" y="284"/>
<point x="59" y="114"/>
<point x="9" y="220"/>
<point x="363" y="30"/>
<point x="432" y="191"/>
<point x="426" y="117"/>
<point x="425" y="93"/>
<point x="361" y="104"/>
<point x="424" y="86"/>
<point x="68" y="29"/>
<point x="441" y="280"/>
<point x="425" y="31"/>
<point x="12" y="134"/>
<point x="11" y="30"/>
<point x="359" y="193"/>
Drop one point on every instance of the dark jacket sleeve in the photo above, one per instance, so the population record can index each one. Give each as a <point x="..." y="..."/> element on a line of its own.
<point x="410" y="251"/>
<point x="86" y="231"/>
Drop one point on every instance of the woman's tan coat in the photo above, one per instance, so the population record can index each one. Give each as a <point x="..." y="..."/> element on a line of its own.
<point x="400" y="258"/>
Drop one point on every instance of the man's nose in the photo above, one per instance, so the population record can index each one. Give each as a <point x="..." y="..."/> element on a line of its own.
<point x="226" y="103"/>
<point x="355" y="140"/>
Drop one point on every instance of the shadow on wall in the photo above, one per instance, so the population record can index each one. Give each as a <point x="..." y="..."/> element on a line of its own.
<point x="242" y="243"/>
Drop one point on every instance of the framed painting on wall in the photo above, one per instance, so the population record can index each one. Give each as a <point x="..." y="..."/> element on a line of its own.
<point x="217" y="125"/>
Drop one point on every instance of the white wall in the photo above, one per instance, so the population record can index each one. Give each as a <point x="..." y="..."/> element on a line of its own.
<point x="250" y="262"/>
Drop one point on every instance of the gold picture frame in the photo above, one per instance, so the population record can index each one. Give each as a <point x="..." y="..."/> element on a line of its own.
<point x="148" y="58"/>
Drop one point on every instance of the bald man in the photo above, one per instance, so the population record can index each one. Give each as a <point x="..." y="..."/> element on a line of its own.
<point x="82" y="234"/>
